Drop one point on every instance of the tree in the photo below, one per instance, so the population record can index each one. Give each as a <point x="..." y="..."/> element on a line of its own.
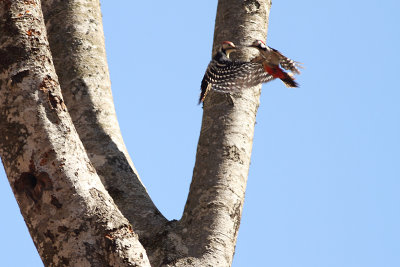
<point x="77" y="188"/>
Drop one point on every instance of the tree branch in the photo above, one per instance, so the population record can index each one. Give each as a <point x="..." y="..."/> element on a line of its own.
<point x="76" y="39"/>
<point x="212" y="213"/>
<point x="70" y="215"/>
<point x="72" y="219"/>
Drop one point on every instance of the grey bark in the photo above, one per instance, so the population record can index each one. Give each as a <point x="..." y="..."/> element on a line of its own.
<point x="213" y="210"/>
<point x="76" y="39"/>
<point x="54" y="169"/>
<point x="71" y="217"/>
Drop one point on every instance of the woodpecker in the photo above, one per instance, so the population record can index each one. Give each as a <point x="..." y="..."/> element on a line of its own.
<point x="271" y="59"/>
<point x="225" y="75"/>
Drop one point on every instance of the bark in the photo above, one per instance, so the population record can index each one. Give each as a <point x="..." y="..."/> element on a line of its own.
<point x="55" y="152"/>
<point x="72" y="219"/>
<point x="76" y="39"/>
<point x="206" y="234"/>
<point x="213" y="210"/>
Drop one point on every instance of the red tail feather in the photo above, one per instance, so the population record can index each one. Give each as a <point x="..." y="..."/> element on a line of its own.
<point x="277" y="72"/>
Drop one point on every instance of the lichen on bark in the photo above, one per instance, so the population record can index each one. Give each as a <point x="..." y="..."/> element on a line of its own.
<point x="61" y="197"/>
<point x="64" y="156"/>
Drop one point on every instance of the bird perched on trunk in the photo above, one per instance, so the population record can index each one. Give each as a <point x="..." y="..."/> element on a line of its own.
<point x="271" y="59"/>
<point x="226" y="75"/>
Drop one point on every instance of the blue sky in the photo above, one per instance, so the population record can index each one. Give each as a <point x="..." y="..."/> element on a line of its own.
<point x="324" y="181"/>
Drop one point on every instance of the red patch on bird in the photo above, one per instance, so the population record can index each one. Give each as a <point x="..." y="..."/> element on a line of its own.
<point x="275" y="72"/>
<point x="228" y="42"/>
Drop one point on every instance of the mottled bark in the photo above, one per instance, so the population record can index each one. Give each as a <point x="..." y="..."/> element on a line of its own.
<point x="76" y="39"/>
<point x="72" y="219"/>
<point x="54" y="161"/>
<point x="206" y="234"/>
<point x="213" y="210"/>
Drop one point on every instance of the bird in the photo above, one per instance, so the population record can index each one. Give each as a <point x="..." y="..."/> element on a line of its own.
<point x="226" y="75"/>
<point x="272" y="60"/>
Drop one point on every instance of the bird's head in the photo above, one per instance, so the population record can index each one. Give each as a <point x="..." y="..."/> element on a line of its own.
<point x="259" y="44"/>
<point x="227" y="47"/>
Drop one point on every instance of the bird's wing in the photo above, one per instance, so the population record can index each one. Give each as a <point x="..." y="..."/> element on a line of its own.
<point x="287" y="63"/>
<point x="233" y="76"/>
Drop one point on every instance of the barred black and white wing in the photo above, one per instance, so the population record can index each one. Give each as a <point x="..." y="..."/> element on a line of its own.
<point x="232" y="76"/>
<point x="287" y="63"/>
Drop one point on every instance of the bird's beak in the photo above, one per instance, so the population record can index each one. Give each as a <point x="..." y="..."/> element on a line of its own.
<point x="232" y="47"/>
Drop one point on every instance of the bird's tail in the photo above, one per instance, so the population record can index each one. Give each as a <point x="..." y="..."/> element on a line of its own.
<point x="205" y="87"/>
<point x="288" y="80"/>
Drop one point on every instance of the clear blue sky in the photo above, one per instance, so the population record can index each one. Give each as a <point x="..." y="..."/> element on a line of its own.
<point x="324" y="183"/>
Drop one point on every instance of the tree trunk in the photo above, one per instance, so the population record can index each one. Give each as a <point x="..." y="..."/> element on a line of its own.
<point x="66" y="161"/>
<point x="75" y="33"/>
<point x="213" y="210"/>
<point x="71" y="217"/>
